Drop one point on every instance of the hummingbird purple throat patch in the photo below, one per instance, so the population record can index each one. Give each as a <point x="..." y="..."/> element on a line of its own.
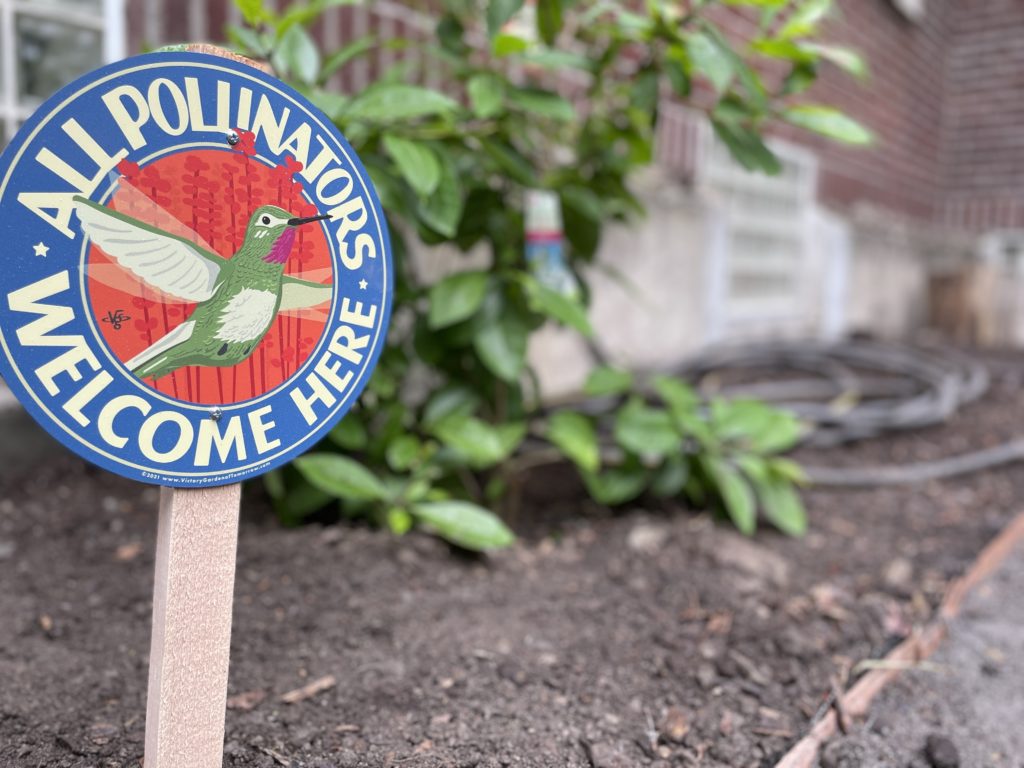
<point x="196" y="274"/>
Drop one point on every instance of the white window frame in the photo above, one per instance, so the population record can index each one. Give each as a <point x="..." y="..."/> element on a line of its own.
<point x="725" y="316"/>
<point x="110" y="23"/>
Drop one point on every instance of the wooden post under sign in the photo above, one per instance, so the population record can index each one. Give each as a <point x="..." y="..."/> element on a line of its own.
<point x="192" y="598"/>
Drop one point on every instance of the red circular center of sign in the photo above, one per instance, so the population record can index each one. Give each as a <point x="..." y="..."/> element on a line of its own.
<point x="208" y="197"/>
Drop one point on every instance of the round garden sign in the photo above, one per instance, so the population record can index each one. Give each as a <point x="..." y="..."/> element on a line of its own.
<point x="196" y="274"/>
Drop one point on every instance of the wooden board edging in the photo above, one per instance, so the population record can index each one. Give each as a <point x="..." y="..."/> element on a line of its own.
<point x="856" y="702"/>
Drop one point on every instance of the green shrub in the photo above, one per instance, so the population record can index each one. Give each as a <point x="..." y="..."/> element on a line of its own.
<point x="454" y="170"/>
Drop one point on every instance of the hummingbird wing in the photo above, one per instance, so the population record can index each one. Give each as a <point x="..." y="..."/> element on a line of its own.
<point x="167" y="262"/>
<point x="132" y="201"/>
<point x="178" y="336"/>
<point x="302" y="294"/>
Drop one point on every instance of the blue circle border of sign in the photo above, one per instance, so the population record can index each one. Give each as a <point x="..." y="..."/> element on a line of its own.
<point x="163" y="474"/>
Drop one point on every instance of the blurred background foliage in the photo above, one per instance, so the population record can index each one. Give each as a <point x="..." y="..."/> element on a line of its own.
<point x="453" y="415"/>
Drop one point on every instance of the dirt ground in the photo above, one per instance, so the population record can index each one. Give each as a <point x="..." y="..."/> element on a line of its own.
<point x="655" y="637"/>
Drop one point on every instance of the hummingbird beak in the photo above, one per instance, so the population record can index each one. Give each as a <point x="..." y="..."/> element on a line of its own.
<point x="308" y="220"/>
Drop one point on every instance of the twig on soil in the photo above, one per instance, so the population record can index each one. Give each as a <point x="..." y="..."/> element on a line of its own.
<point x="923" y="666"/>
<point x="652" y="732"/>
<point x="782" y="733"/>
<point x="276" y="756"/>
<point x="309" y="690"/>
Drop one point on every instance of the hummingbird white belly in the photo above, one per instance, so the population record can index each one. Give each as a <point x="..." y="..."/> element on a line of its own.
<point x="247" y="315"/>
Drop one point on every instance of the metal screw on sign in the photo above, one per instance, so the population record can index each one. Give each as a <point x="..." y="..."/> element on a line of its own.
<point x="165" y="335"/>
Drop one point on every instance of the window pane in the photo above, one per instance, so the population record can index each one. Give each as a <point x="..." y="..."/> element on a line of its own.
<point x="51" y="54"/>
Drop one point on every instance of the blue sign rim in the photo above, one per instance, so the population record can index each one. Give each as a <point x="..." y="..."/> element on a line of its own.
<point x="159" y="475"/>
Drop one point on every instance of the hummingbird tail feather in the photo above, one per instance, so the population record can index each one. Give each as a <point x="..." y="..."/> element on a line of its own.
<point x="155" y="368"/>
<point x="156" y="354"/>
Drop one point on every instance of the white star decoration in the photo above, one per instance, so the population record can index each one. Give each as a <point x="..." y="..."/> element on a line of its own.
<point x="40" y="249"/>
<point x="362" y="285"/>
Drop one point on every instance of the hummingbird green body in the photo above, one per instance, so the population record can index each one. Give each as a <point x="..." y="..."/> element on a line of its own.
<point x="224" y="329"/>
<point x="236" y="299"/>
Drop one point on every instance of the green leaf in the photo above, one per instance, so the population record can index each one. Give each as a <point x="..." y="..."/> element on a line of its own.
<point x="735" y="493"/>
<point x="782" y="506"/>
<point x="550" y="58"/>
<point x="583" y="216"/>
<point x="616" y="485"/>
<point x="646" y="431"/>
<point x="451" y="34"/>
<point x="455" y="399"/>
<point x="341" y="476"/>
<point x="399" y="520"/>
<point x="549" y="20"/>
<point x="807" y="52"/>
<point x="456" y="298"/>
<point x="846" y="59"/>
<point x="402" y="452"/>
<point x="499" y="12"/>
<point x="583" y="200"/>
<point x="684" y="406"/>
<point x="828" y="121"/>
<point x="330" y="103"/>
<point x="510" y="160"/>
<point x="253" y="11"/>
<point x="297" y="53"/>
<point x="799" y="79"/>
<point x="671" y="477"/>
<point x="486" y="94"/>
<point x="248" y="41"/>
<point x="761" y="427"/>
<point x="349" y="434"/>
<point x="390" y="102"/>
<point x="679" y="396"/>
<point x="709" y="59"/>
<point x="564" y="309"/>
<point x="805" y="19"/>
<point x="573" y="434"/>
<point x="345" y="54"/>
<point x="788" y="469"/>
<point x="442" y="210"/>
<point x="465" y="524"/>
<point x="542" y="103"/>
<point x="501" y="344"/>
<point x="273" y="481"/>
<point x="605" y="381"/>
<point x="758" y="3"/>
<point x="417" y="163"/>
<point x="299" y="502"/>
<point x="747" y="76"/>
<point x="508" y="45"/>
<point x="746" y="146"/>
<point x="481" y="444"/>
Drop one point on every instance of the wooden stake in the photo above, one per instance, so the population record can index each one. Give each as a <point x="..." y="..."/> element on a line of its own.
<point x="188" y="663"/>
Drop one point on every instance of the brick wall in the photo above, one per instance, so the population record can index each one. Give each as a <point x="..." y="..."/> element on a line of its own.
<point x="983" y="120"/>
<point x="902" y="104"/>
<point x="945" y="98"/>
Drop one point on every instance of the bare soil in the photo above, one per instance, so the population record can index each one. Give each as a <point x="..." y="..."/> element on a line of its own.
<point x="653" y="637"/>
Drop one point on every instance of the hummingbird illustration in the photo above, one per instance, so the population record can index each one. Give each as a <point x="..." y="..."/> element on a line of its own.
<point x="237" y="299"/>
